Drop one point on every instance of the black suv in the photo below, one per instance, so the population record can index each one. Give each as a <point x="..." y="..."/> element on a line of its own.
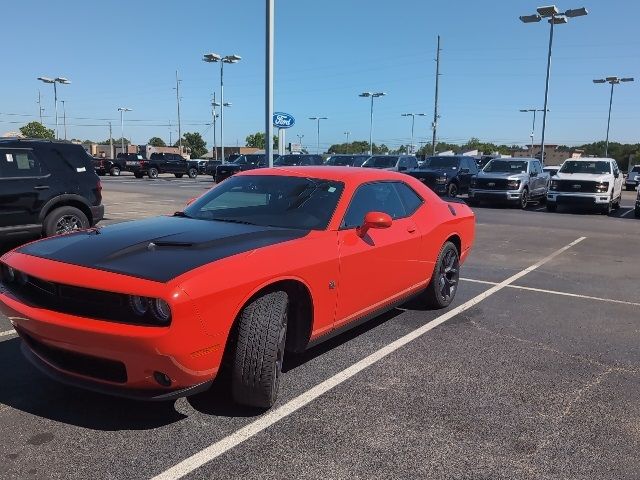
<point x="447" y="174"/>
<point x="296" y="160"/>
<point x="164" y="163"/>
<point x="111" y="166"/>
<point x="46" y="188"/>
<point x="240" y="164"/>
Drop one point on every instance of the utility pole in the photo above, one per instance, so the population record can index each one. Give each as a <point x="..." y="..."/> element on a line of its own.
<point x="64" y="116"/>
<point x="215" y="142"/>
<point x="40" y="109"/>
<point x="170" y="134"/>
<point x="435" y="106"/>
<point x="178" y="100"/>
<point x="110" y="142"/>
<point x="268" y="81"/>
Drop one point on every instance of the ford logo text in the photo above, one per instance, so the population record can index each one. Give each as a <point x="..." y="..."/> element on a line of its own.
<point x="283" y="120"/>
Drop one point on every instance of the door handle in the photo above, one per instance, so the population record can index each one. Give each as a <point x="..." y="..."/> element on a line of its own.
<point x="41" y="187"/>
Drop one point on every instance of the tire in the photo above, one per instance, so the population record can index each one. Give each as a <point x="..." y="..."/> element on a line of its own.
<point x="138" y="175"/>
<point x="452" y="190"/>
<point x="114" y="172"/>
<point x="551" y="207"/>
<point x="259" y="351"/>
<point x="616" y="204"/>
<point x="64" y="220"/>
<point x="178" y="175"/>
<point x="524" y="199"/>
<point x="153" y="172"/>
<point x="444" y="282"/>
<point x="192" y="172"/>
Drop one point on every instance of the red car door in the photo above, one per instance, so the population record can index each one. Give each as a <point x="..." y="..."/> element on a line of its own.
<point x="383" y="264"/>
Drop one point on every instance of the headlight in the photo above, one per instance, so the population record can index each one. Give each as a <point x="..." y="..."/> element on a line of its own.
<point x="139" y="305"/>
<point x="161" y="311"/>
<point x="441" y="180"/>
<point x="513" y="184"/>
<point x="602" y="187"/>
<point x="553" y="185"/>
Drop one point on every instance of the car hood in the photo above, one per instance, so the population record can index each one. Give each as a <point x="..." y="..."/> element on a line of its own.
<point x="602" y="177"/>
<point x="159" y="248"/>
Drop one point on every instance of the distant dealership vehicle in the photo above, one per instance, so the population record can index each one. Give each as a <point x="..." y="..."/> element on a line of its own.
<point x="293" y="160"/>
<point x="447" y="175"/>
<point x="510" y="180"/>
<point x="163" y="163"/>
<point x="242" y="163"/>
<point x="551" y="169"/>
<point x="637" y="209"/>
<point x="345" y="160"/>
<point x="110" y="166"/>
<point x="397" y="163"/>
<point x="46" y="188"/>
<point x="633" y="179"/>
<point x="589" y="182"/>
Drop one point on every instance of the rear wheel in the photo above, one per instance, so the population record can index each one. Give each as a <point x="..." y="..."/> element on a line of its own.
<point x="608" y="208"/>
<point x="192" y="172"/>
<point x="444" y="282"/>
<point x="65" y="220"/>
<point x="115" y="171"/>
<point x="153" y="172"/>
<point x="259" y="351"/>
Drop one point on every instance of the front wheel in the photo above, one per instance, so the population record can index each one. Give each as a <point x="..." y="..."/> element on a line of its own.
<point x="524" y="199"/>
<point x="259" y="351"/>
<point x="452" y="190"/>
<point x="115" y="171"/>
<point x="444" y="282"/>
<point x="153" y="172"/>
<point x="193" y="173"/>
<point x="65" y="220"/>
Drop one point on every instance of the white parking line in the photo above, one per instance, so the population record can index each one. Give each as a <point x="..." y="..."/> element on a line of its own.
<point x="227" y="443"/>
<point x="555" y="292"/>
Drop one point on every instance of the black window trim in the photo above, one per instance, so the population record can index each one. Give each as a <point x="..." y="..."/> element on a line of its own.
<point x="374" y="182"/>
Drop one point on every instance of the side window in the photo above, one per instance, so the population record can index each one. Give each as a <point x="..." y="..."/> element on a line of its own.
<point x="403" y="162"/>
<point x="410" y="199"/>
<point x="20" y="164"/>
<point x="373" y="197"/>
<point x="413" y="163"/>
<point x="471" y="165"/>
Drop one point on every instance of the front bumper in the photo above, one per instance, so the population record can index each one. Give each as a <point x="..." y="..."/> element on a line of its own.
<point x="495" y="195"/>
<point x="631" y="183"/>
<point x="586" y="199"/>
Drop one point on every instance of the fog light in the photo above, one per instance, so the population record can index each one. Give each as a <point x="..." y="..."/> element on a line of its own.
<point x="162" y="379"/>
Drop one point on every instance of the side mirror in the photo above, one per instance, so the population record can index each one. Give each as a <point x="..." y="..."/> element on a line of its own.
<point x="374" y="220"/>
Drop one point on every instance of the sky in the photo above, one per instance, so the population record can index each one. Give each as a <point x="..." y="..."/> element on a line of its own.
<point x="126" y="53"/>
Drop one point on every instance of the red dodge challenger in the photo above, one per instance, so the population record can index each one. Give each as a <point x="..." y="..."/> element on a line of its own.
<point x="266" y="262"/>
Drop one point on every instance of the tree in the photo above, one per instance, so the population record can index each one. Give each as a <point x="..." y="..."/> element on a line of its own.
<point x="195" y="143"/>
<point x="36" y="130"/>
<point x="256" y="140"/>
<point x="156" y="142"/>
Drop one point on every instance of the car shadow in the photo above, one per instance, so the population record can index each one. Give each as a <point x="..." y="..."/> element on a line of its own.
<point x="25" y="389"/>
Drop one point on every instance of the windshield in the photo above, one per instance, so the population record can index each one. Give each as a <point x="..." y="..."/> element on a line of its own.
<point x="595" y="167"/>
<point x="381" y="161"/>
<point x="270" y="200"/>
<point x="506" y="166"/>
<point x="441" y="162"/>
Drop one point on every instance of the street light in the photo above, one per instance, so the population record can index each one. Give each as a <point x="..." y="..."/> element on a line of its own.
<point x="413" y="121"/>
<point x="318" y="120"/>
<point x="56" y="80"/>
<point x="533" y="126"/>
<point x="554" y="17"/>
<point x="214" y="58"/>
<point x="372" y="95"/>
<point x="122" y="110"/>
<point x="613" y="81"/>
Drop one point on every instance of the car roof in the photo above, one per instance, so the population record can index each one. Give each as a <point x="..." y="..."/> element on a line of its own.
<point x="590" y="159"/>
<point x="341" y="174"/>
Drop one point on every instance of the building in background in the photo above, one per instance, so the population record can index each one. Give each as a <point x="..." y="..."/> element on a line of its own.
<point x="552" y="155"/>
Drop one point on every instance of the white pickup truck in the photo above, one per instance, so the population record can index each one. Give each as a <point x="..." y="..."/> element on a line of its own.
<point x="589" y="182"/>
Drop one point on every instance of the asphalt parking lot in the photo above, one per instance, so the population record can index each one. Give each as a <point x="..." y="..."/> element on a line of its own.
<point x="533" y="373"/>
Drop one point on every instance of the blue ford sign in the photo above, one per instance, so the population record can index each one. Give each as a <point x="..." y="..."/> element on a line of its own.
<point x="283" y="120"/>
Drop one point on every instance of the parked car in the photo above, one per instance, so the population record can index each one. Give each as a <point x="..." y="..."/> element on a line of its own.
<point x="257" y="266"/>
<point x="202" y="165"/>
<point x="483" y="160"/>
<point x="46" y="188"/>
<point x="513" y="180"/>
<point x="163" y="163"/>
<point x="633" y="179"/>
<point x="637" y="209"/>
<point x="551" y="169"/>
<point x="112" y="166"/>
<point x="294" y="159"/>
<point x="210" y="169"/>
<point x="396" y="163"/>
<point x="589" y="182"/>
<point x="343" y="160"/>
<point x="447" y="175"/>
<point x="243" y="162"/>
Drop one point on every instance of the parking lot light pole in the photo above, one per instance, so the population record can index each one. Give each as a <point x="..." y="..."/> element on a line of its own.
<point x="533" y="126"/>
<point x="413" y="121"/>
<point x="613" y="81"/>
<point x="215" y="104"/>
<point x="372" y="95"/>
<point x="554" y="18"/>
<point x="214" y="58"/>
<point x="122" y="110"/>
<point x="347" y="133"/>
<point x="54" y="81"/>
<point x="318" y="120"/>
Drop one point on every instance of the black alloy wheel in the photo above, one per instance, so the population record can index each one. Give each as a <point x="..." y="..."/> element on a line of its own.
<point x="452" y="190"/>
<point x="153" y="172"/>
<point x="444" y="282"/>
<point x="114" y="172"/>
<point x="524" y="199"/>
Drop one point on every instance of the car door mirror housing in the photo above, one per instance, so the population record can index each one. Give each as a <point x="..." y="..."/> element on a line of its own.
<point x="374" y="220"/>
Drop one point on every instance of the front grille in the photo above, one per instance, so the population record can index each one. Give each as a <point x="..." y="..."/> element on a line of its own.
<point x="578" y="186"/>
<point x="492" y="183"/>
<point x="83" y="302"/>
<point x="73" y="362"/>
